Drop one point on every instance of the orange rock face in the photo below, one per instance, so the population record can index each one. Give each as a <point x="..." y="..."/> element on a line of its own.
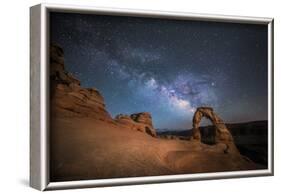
<point x="139" y="121"/>
<point x="69" y="99"/>
<point x="222" y="134"/>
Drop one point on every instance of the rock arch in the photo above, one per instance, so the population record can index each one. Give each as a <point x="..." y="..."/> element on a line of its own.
<point x="222" y="134"/>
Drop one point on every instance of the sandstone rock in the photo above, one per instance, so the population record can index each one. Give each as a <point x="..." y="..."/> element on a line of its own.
<point x="125" y="119"/>
<point x="68" y="98"/>
<point x="57" y="69"/>
<point x="222" y="134"/>
<point x="139" y="121"/>
<point x="143" y="117"/>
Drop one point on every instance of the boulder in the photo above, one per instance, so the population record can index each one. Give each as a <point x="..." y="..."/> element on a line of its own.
<point x="138" y="121"/>
<point x="143" y="117"/>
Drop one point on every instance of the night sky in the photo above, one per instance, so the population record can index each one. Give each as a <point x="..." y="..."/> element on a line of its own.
<point x="167" y="67"/>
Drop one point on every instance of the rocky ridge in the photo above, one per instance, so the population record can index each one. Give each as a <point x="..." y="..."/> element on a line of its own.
<point x="69" y="99"/>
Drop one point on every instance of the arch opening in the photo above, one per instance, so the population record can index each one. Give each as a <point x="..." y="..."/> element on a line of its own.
<point x="207" y="131"/>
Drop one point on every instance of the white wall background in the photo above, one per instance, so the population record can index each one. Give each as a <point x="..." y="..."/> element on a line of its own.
<point x="14" y="96"/>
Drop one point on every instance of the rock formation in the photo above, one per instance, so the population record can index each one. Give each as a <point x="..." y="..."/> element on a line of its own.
<point x="222" y="134"/>
<point x="251" y="139"/>
<point x="143" y="117"/>
<point x="69" y="99"/>
<point x="139" y="121"/>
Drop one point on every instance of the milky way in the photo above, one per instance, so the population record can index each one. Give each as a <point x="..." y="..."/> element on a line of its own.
<point x="168" y="67"/>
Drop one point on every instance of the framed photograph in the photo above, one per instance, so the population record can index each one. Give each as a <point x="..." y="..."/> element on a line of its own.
<point x="124" y="97"/>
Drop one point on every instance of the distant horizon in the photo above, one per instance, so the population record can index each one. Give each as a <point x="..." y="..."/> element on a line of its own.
<point x="227" y="123"/>
<point x="167" y="67"/>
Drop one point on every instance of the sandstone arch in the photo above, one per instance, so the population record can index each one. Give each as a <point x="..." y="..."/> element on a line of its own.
<point x="222" y="134"/>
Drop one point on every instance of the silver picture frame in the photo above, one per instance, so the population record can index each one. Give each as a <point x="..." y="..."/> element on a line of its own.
<point x="39" y="110"/>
